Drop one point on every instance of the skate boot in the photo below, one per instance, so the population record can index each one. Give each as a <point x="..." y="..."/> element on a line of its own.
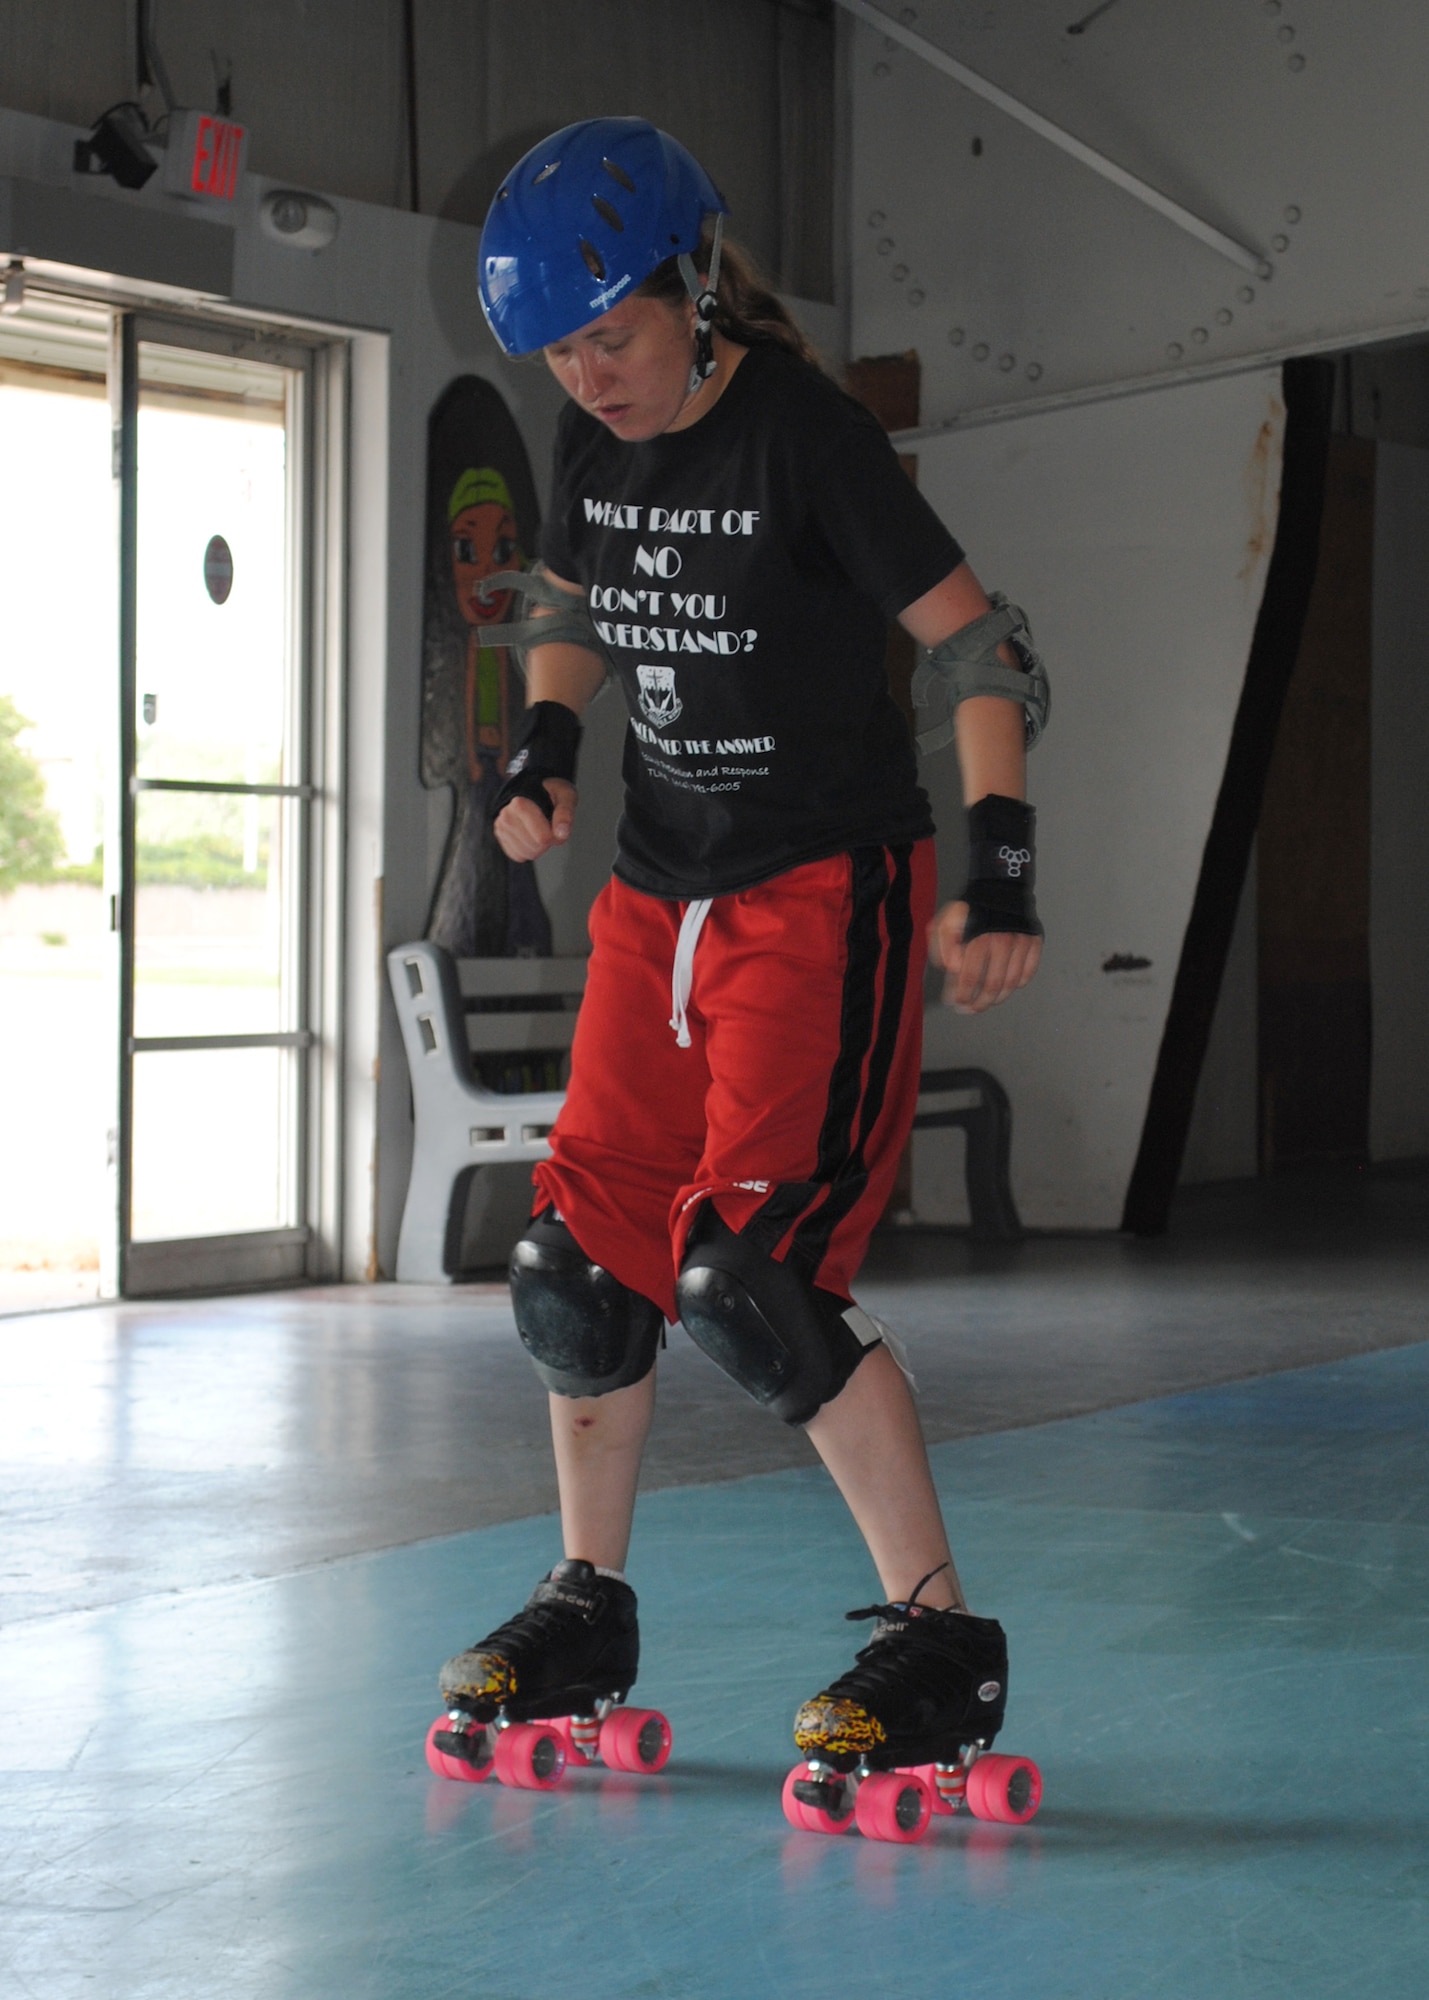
<point x="543" y="1690"/>
<point x="902" y="1734"/>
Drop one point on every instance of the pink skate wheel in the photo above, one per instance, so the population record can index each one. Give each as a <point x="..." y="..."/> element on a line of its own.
<point x="811" y="1819"/>
<point x="893" y="1805"/>
<point x="445" y="1764"/>
<point x="1006" y="1789"/>
<point x="635" y="1739"/>
<point x="929" y="1774"/>
<point x="531" y="1756"/>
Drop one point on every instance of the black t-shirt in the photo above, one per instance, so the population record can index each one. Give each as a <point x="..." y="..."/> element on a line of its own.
<point x="741" y="574"/>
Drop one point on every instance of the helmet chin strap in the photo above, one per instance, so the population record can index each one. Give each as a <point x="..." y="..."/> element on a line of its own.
<point x="704" y="297"/>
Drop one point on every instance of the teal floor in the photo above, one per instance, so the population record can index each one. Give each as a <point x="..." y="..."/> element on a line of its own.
<point x="1218" y="1606"/>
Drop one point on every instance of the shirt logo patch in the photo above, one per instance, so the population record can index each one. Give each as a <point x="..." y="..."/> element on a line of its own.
<point x="658" y="698"/>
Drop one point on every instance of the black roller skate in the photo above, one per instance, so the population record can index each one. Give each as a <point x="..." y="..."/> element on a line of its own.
<point x="904" y="1733"/>
<point x="542" y="1693"/>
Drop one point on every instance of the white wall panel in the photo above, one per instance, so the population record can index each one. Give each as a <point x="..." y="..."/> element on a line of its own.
<point x="1295" y="126"/>
<point x="1137" y="534"/>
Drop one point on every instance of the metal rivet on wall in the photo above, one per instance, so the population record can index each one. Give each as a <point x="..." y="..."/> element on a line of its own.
<point x="915" y="297"/>
<point x="881" y="70"/>
<point x="1285" y="34"/>
<point x="956" y="336"/>
<point x="1246" y="295"/>
<point x="1295" y="62"/>
<point x="885" y="246"/>
<point x="877" y="219"/>
<point x="1199" y="335"/>
<point x="898" y="273"/>
<point x="1007" y="362"/>
<point x="1034" y="371"/>
<point x="1292" y="214"/>
<point x="1280" y="242"/>
<point x="981" y="351"/>
<point x="1224" y="316"/>
<point x="1175" y="352"/>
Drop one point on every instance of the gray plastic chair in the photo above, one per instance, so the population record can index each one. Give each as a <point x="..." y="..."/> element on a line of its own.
<point x="981" y="1106"/>
<point x="461" y="1127"/>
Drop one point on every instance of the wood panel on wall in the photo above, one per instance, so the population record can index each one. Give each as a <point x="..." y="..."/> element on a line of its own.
<point x="1314" y="853"/>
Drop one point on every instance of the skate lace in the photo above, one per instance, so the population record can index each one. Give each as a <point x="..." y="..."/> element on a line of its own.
<point x="532" y="1626"/>
<point x="884" y="1665"/>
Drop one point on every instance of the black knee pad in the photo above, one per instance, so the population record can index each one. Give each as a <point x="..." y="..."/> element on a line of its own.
<point x="782" y="1339"/>
<point x="585" y="1332"/>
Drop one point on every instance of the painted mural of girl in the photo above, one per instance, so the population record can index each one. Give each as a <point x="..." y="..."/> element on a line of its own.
<point x="481" y="518"/>
<point x="484" y="539"/>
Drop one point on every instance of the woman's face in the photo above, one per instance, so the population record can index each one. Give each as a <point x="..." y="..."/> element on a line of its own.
<point x="630" y="368"/>
<point x="483" y="542"/>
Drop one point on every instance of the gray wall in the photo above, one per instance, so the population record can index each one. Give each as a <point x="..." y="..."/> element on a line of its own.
<point x="1297" y="130"/>
<point x="401" y="285"/>
<point x="1136" y="534"/>
<point x="1054" y="316"/>
<point x="1385" y="396"/>
<point x="747" y="84"/>
<point x="1136" y="529"/>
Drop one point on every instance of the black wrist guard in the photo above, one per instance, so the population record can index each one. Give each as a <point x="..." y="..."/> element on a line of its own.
<point x="545" y="748"/>
<point x="1001" y="868"/>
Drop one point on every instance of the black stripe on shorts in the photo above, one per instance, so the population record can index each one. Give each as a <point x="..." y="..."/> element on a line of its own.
<point x="868" y="1032"/>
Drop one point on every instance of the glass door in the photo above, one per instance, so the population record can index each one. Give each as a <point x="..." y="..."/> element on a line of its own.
<point x="57" y="650"/>
<point x="213" y="841"/>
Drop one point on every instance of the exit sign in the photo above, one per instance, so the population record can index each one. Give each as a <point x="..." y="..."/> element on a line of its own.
<point x="205" y="156"/>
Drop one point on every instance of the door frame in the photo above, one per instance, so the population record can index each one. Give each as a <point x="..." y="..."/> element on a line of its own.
<point x="317" y="438"/>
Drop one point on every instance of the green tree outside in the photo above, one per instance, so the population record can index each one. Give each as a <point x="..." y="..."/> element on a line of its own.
<point x="31" y="843"/>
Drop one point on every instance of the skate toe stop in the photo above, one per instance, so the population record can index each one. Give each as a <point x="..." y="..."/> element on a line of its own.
<point x="478" y="1677"/>
<point x="837" y="1727"/>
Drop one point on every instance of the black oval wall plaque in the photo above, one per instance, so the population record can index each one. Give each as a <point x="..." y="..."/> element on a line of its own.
<point x="218" y="570"/>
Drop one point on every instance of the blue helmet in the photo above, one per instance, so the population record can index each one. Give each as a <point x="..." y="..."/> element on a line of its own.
<point x="583" y="220"/>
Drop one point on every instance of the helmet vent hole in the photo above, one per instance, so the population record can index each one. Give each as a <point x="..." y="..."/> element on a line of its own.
<point x="551" y="167"/>
<point x="606" y="212"/>
<point x="619" y="174"/>
<point x="594" y="262"/>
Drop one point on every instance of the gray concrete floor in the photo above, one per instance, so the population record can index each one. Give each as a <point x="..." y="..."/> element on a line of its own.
<point x="149" y="1449"/>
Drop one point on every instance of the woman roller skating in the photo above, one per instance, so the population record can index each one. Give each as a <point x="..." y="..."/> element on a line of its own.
<point x="728" y="535"/>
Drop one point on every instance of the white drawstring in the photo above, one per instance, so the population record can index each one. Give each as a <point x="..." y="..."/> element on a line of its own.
<point x="682" y="976"/>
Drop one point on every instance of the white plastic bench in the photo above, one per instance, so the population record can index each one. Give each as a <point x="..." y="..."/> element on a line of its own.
<point x="460" y="1126"/>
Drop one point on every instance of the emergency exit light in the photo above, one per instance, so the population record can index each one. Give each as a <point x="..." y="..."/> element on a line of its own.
<point x="205" y="156"/>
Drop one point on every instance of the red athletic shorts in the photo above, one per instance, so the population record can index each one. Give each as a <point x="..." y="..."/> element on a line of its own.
<point x="790" y="1107"/>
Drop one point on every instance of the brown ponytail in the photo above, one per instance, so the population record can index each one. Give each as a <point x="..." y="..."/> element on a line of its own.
<point x="747" y="310"/>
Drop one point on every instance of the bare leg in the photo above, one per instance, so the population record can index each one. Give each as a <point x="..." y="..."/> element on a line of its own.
<point x="871" y="1441"/>
<point x="598" y="1442"/>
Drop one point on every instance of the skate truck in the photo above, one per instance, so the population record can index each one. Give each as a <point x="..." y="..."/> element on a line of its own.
<point x="901" y="1804"/>
<point x="536" y="1755"/>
